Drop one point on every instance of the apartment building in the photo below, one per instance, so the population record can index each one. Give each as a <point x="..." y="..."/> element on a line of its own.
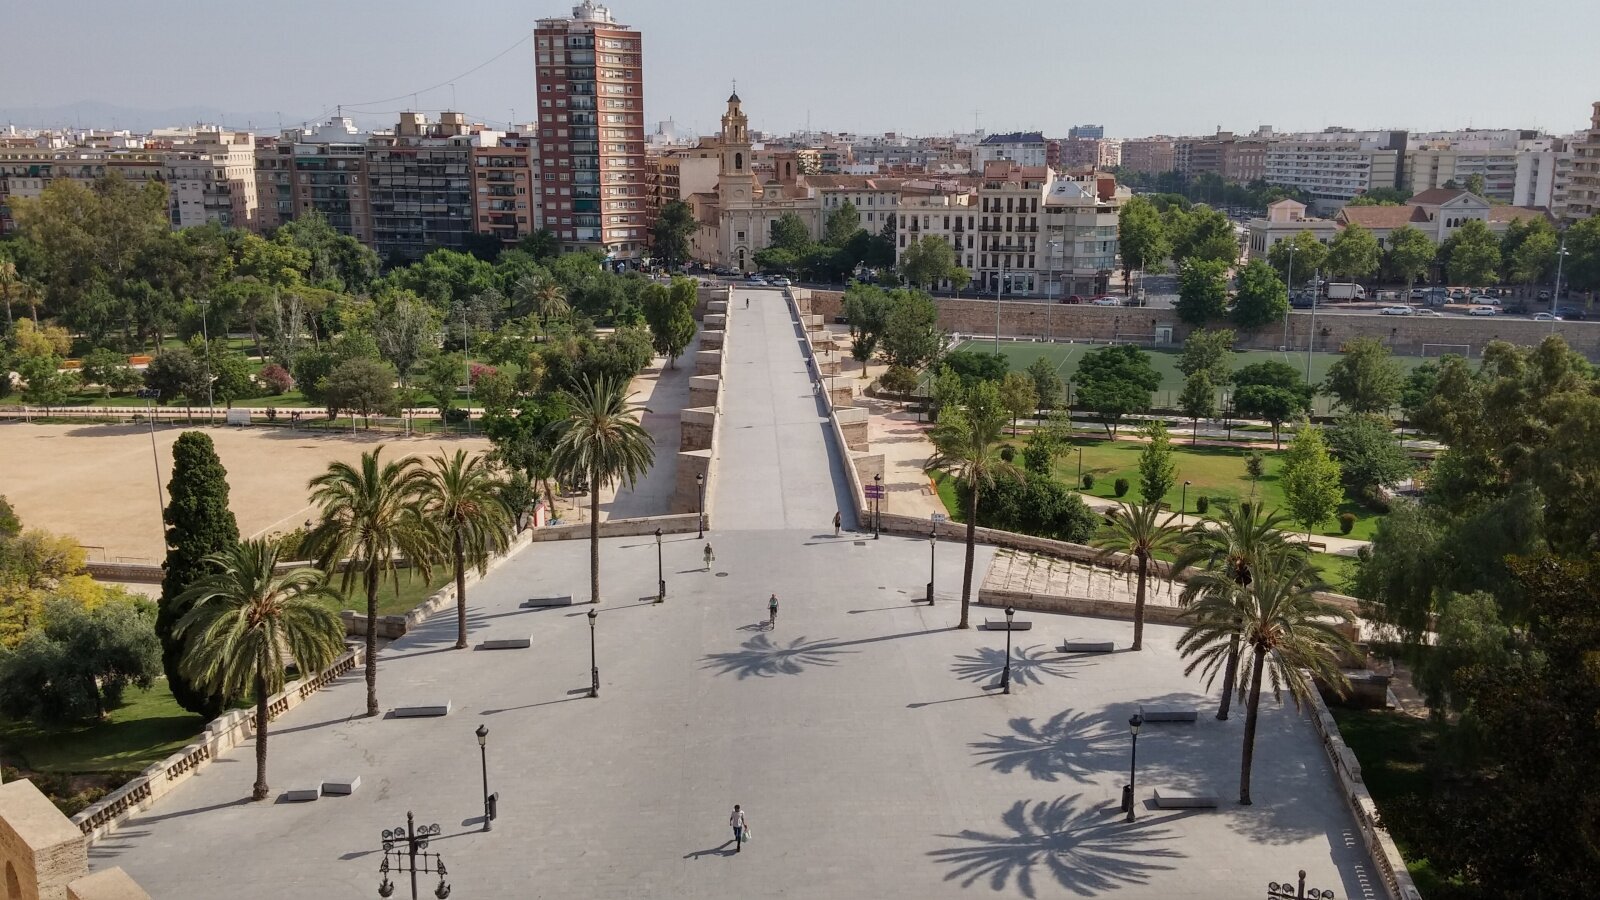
<point x="1080" y="235"/>
<point x="1192" y="156"/>
<point x="322" y="169"/>
<point x="1583" y="187"/>
<point x="1284" y="219"/>
<point x="590" y="84"/>
<point x="1244" y="160"/>
<point x="26" y="172"/>
<point x="1023" y="148"/>
<point x="1149" y="155"/>
<point x="1521" y="168"/>
<point x="211" y="179"/>
<point x="1334" y="165"/>
<point x="1086" y="132"/>
<point x="943" y="210"/>
<point x="675" y="173"/>
<point x="504" y="185"/>
<point x="420" y="186"/>
<point x="1009" y="251"/>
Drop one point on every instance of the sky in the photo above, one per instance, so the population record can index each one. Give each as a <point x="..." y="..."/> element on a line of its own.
<point x="1138" y="67"/>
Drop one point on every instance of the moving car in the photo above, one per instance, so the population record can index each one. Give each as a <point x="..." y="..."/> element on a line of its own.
<point x="1106" y="301"/>
<point x="1571" y="313"/>
<point x="1419" y="294"/>
<point x="781" y="281"/>
<point x="1482" y="311"/>
<point x="1546" y="317"/>
<point x="1072" y="299"/>
<point x="1395" y="311"/>
<point x="757" y="280"/>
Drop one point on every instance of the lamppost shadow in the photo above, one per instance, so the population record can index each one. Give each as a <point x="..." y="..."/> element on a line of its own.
<point x="1069" y="745"/>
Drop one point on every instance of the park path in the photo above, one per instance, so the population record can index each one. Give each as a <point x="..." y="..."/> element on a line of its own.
<point x="663" y="391"/>
<point x="776" y="468"/>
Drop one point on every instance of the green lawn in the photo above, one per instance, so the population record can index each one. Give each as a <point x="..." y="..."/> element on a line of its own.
<point x="147" y="729"/>
<point x="413" y="590"/>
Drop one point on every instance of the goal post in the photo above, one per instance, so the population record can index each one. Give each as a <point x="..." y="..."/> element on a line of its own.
<point x="1434" y="351"/>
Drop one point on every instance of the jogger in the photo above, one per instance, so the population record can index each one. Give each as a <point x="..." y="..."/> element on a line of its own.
<point x="772" y="612"/>
<point x="738" y="823"/>
<point x="836" y="520"/>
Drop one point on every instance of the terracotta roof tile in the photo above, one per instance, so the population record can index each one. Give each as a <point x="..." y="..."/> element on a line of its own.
<point x="1436" y="196"/>
<point x="1380" y="216"/>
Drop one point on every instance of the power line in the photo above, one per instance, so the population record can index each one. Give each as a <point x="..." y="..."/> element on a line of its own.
<point x="447" y="81"/>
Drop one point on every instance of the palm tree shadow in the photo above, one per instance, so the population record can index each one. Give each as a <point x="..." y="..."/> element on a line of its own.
<point x="763" y="657"/>
<point x="1029" y="665"/>
<point x="1085" y="851"/>
<point x="1069" y="745"/>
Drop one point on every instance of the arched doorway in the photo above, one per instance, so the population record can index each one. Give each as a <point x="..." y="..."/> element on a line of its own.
<point x="13" y="884"/>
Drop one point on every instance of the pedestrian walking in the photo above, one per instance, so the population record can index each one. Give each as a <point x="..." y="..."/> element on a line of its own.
<point x="740" y="828"/>
<point x="710" y="556"/>
<point x="836" y="521"/>
<point x="772" y="611"/>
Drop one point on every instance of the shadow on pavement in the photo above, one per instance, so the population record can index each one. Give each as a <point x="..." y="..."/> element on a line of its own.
<point x="1029" y="665"/>
<point x="1068" y="745"/>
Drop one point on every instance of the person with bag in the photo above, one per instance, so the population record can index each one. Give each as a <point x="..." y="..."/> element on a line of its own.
<point x="741" y="829"/>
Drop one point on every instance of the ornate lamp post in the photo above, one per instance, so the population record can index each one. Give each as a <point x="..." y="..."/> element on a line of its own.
<point x="1297" y="892"/>
<point x="1005" y="674"/>
<point x="661" y="576"/>
<point x="405" y="852"/>
<point x="933" y="541"/>
<point x="1133" y="761"/>
<point x="700" y="509"/>
<point x="877" y="505"/>
<point x="594" y="668"/>
<point x="1183" y="500"/>
<point x="489" y="800"/>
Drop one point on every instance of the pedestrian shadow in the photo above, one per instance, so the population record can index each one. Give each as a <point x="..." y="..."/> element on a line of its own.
<point x="1029" y="665"/>
<point x="722" y="849"/>
<point x="1068" y="745"/>
<point x="1081" y="849"/>
<point x="763" y="657"/>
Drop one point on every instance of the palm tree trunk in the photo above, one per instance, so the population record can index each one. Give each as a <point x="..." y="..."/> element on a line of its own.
<point x="1248" y="756"/>
<point x="461" y="592"/>
<point x="594" y="538"/>
<point x="1230" y="675"/>
<point x="1138" y="602"/>
<point x="966" y="573"/>
<point x="260" y="791"/>
<point x="371" y="577"/>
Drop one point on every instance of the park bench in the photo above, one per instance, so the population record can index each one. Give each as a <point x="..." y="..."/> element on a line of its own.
<point x="422" y="711"/>
<point x="1317" y="546"/>
<point x="542" y="602"/>
<point x="1088" y="647"/>
<point x="506" y="644"/>
<point x="1169" y="800"/>
<point x="1168" y="714"/>
<point x="301" y="795"/>
<point x="1003" y="625"/>
<point x="342" y="786"/>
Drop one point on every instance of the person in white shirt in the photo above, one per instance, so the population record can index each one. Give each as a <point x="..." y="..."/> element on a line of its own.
<point x="738" y="823"/>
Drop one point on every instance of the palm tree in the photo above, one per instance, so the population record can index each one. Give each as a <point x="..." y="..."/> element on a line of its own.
<point x="372" y="517"/>
<point x="1288" y="630"/>
<point x="8" y="278"/>
<point x="245" y="625"/>
<point x="601" y="442"/>
<point x="1230" y="547"/>
<point x="964" y="445"/>
<point x="541" y="296"/>
<point x="1136" y="533"/>
<point x="462" y="500"/>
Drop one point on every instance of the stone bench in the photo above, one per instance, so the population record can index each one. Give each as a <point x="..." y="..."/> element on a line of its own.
<point x="341" y="786"/>
<point x="422" y="711"/>
<point x="301" y="795"/>
<point x="1170" y="800"/>
<point x="506" y="644"/>
<point x="542" y="602"/>
<point x="1317" y="546"/>
<point x="1168" y="714"/>
<point x="1003" y="625"/>
<point x="1088" y="647"/>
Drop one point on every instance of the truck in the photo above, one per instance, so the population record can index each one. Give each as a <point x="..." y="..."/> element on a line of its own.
<point x="1346" y="291"/>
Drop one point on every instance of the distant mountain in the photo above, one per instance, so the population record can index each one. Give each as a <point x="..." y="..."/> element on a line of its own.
<point x="94" y="114"/>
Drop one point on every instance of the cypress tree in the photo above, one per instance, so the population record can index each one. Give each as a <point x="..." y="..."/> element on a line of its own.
<point x="198" y="523"/>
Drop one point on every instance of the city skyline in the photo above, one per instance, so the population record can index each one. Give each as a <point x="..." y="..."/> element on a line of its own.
<point x="891" y="71"/>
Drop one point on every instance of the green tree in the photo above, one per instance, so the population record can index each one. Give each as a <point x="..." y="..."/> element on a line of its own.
<point x="405" y="330"/>
<point x="1582" y="269"/>
<point x="1141" y="237"/>
<point x="671" y="322"/>
<point x="927" y="261"/>
<point x="1198" y="400"/>
<point x="1310" y="256"/>
<point x="231" y="378"/>
<point x="1115" y="381"/>
<point x="76" y="665"/>
<point x="1047" y="385"/>
<point x="841" y="226"/>
<point x="442" y="376"/>
<point x="911" y="334"/>
<point x="1475" y="184"/>
<point x="371" y="515"/>
<point x="1474" y="254"/>
<point x="199" y="523"/>
<point x="1272" y="391"/>
<point x="671" y="235"/>
<point x="1366" y="379"/>
<point x="867" y="307"/>
<point x="1411" y="253"/>
<point x="461" y="498"/>
<point x="1310" y="478"/>
<point x="361" y="387"/>
<point x="1261" y="298"/>
<point x="179" y="373"/>
<point x="1018" y="397"/>
<point x="1208" y="350"/>
<point x="45" y="383"/>
<point x="1354" y="253"/>
<point x="789" y="233"/>
<point x="1157" y="470"/>
<point x="1369" y="453"/>
<point x="600" y="443"/>
<point x="1136" y="534"/>
<point x="1202" y="291"/>
<point x="964" y="443"/>
<point x="1534" y="258"/>
<point x="1201" y="233"/>
<point x="246" y="625"/>
<point x="947" y="391"/>
<point x="1380" y="197"/>
<point x="1286" y="629"/>
<point x="105" y="368"/>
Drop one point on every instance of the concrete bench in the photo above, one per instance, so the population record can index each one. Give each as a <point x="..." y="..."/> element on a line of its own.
<point x="341" y="786"/>
<point x="542" y="602"/>
<point x="1317" y="546"/>
<point x="422" y="711"/>
<point x="1168" y="714"/>
<point x="301" y="795"/>
<point x="1170" y="800"/>
<point x="1003" y="625"/>
<point x="1088" y="647"/>
<point x="507" y="644"/>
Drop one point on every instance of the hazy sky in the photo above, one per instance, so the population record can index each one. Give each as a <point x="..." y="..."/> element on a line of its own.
<point x="913" y="66"/>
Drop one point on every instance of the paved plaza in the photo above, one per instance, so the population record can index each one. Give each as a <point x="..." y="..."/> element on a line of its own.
<point x="858" y="734"/>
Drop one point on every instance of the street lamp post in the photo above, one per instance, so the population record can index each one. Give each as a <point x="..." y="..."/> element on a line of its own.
<point x="700" y="508"/>
<point x="1080" y="467"/>
<point x="661" y="575"/>
<point x="1288" y="288"/>
<point x="149" y="396"/>
<point x="489" y="800"/>
<point x="877" y="505"/>
<point x="1005" y="674"/>
<point x="1183" y="500"/>
<point x="1311" y="336"/>
<point x="405" y="852"/>
<point x="1299" y="891"/>
<point x="205" y="330"/>
<point x="933" y="541"/>
<point x="594" y="667"/>
<point x="1133" y="764"/>
<point x="999" y="288"/>
<point x="1555" y="296"/>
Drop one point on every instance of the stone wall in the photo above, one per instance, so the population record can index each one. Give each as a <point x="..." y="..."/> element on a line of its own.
<point x="673" y="524"/>
<point x="853" y="425"/>
<point x="40" y="849"/>
<point x="107" y="884"/>
<point x="695" y="429"/>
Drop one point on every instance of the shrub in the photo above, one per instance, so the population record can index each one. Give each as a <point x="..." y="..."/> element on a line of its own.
<point x="455" y="416"/>
<point x="1088" y="481"/>
<point x="1202" y="503"/>
<point x="275" y="379"/>
<point x="1008" y="453"/>
<point x="1245" y="506"/>
<point x="1347" y="522"/>
<point x="479" y="370"/>
<point x="1120" y="487"/>
<point x="1036" y="458"/>
<point x="1255" y="464"/>
<point x="899" y="380"/>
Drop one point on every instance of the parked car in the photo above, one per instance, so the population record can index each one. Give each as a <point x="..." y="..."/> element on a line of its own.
<point x="1395" y="311"/>
<point x="1419" y="294"/>
<point x="1072" y="299"/>
<point x="1426" y="312"/>
<point x="1546" y="317"/>
<point x="1302" y="301"/>
<point x="1457" y="295"/>
<point x="1484" y="300"/>
<point x="1571" y="313"/>
<point x="781" y="281"/>
<point x="1106" y="301"/>
<point x="1482" y="311"/>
